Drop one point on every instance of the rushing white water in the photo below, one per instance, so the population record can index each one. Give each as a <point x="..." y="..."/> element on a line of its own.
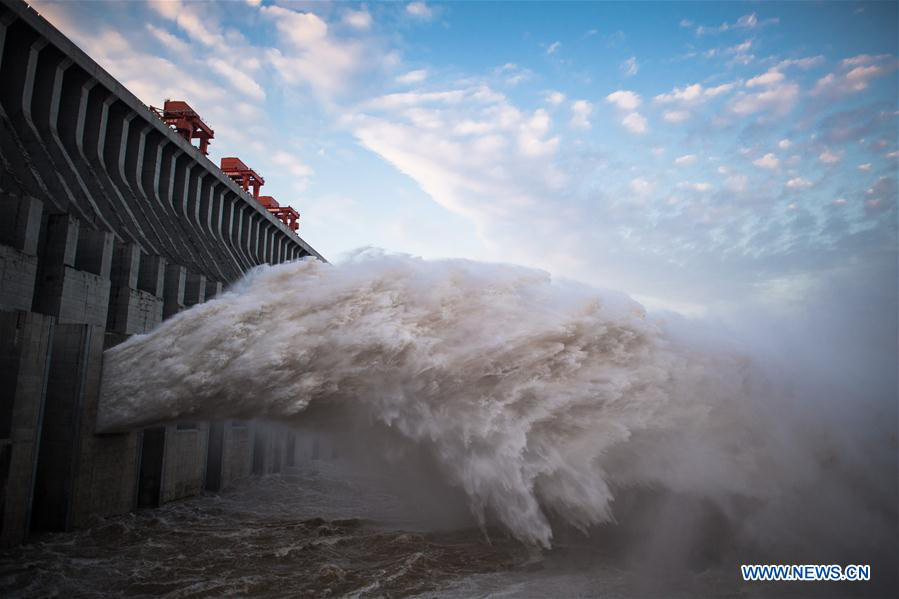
<point x="541" y="400"/>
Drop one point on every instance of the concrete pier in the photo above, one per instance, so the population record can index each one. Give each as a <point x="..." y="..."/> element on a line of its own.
<point x="229" y="453"/>
<point x="110" y="223"/>
<point x="135" y="302"/>
<point x="19" y="232"/>
<point x="25" y="342"/>
<point x="184" y="460"/>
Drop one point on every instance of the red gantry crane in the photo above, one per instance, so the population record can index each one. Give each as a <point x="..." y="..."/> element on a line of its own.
<point x="243" y="175"/>
<point x="179" y="114"/>
<point x="285" y="214"/>
<point x="246" y="177"/>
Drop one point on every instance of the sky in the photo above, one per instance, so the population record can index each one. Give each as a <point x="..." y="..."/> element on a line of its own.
<point x="699" y="156"/>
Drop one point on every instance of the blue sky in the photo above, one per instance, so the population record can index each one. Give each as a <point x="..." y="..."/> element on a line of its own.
<point x="699" y="156"/>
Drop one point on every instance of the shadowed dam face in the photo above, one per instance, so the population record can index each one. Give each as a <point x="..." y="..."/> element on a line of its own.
<point x="543" y="402"/>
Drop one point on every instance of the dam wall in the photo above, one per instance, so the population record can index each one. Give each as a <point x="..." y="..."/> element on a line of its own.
<point x="110" y="223"/>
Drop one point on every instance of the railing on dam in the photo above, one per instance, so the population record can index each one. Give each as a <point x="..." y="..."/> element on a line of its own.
<point x="78" y="141"/>
<point x="110" y="222"/>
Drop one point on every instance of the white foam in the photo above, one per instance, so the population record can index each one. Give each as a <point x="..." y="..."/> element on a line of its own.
<point x="535" y="397"/>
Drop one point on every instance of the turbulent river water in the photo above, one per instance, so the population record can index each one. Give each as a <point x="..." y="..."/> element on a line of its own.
<point x="330" y="528"/>
<point x="551" y="440"/>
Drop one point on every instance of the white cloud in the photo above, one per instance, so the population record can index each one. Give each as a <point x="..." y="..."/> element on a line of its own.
<point x="634" y="122"/>
<point x="169" y="40"/>
<point x="168" y="9"/>
<point x="701" y="30"/>
<point x="686" y="95"/>
<point x="198" y="26"/>
<point x="854" y="74"/>
<point x="303" y="29"/>
<point x="641" y="187"/>
<point x="750" y="21"/>
<point x="777" y="98"/>
<point x="405" y="100"/>
<point x="828" y="157"/>
<point x="864" y="167"/>
<point x="685" y="160"/>
<point x="700" y="187"/>
<point x="580" y="114"/>
<point x="768" y="78"/>
<point x="741" y="48"/>
<point x="624" y="100"/>
<point x="862" y="59"/>
<point x="676" y="116"/>
<point x="693" y="95"/>
<point x="238" y="79"/>
<point x="513" y="73"/>
<point x="784" y="144"/>
<point x="859" y="76"/>
<point x="741" y="59"/>
<point x="470" y="127"/>
<point x="798" y="183"/>
<point x="296" y="166"/>
<point x="532" y="133"/>
<point x="416" y="76"/>
<point x="358" y="19"/>
<point x="737" y="183"/>
<point x="553" y="47"/>
<point x="555" y="98"/>
<point x="857" y="79"/>
<point x="310" y="54"/>
<point x="420" y="10"/>
<point x="802" y="63"/>
<point x="630" y="66"/>
<point x="767" y="161"/>
<point x="711" y="92"/>
<point x="443" y="140"/>
<point x="825" y="83"/>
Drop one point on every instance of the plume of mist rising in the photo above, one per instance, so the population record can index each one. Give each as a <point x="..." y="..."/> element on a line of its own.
<point x="539" y="399"/>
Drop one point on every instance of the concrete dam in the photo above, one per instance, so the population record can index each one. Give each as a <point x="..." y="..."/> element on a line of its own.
<point x="110" y="222"/>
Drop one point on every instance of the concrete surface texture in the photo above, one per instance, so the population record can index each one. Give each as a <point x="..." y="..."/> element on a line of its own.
<point x="109" y="223"/>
